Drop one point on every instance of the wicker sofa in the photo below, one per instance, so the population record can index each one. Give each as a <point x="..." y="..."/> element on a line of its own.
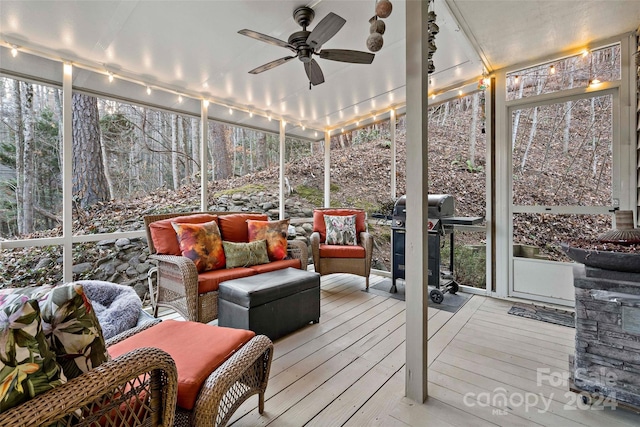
<point x="195" y="295"/>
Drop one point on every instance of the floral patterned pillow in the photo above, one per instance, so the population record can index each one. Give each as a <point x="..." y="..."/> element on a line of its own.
<point x="245" y="254"/>
<point x="70" y="325"/>
<point x="341" y="229"/>
<point x="27" y="366"/>
<point x="202" y="244"/>
<point x="72" y="329"/>
<point x="274" y="232"/>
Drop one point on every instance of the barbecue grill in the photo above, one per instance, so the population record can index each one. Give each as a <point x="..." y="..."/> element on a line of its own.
<point x="441" y="223"/>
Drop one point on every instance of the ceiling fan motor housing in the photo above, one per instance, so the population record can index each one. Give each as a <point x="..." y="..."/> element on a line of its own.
<point x="299" y="41"/>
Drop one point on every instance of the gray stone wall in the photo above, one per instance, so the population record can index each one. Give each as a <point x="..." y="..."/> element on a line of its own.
<point x="607" y="353"/>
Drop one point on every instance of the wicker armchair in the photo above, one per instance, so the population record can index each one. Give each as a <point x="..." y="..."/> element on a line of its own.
<point x="177" y="277"/>
<point x="138" y="388"/>
<point x="328" y="259"/>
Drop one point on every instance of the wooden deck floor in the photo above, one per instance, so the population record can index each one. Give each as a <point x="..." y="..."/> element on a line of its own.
<point x="348" y="370"/>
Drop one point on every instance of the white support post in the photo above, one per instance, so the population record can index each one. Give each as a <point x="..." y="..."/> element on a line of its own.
<point x="67" y="173"/>
<point x="502" y="230"/>
<point x="392" y="131"/>
<point x="204" y="155"/>
<point x="327" y="169"/>
<point x="283" y="124"/>
<point x="417" y="273"/>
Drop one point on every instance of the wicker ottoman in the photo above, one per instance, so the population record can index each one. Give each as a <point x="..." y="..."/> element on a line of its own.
<point x="272" y="304"/>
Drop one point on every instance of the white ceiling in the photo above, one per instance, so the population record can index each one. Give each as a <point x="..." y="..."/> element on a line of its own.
<point x="192" y="47"/>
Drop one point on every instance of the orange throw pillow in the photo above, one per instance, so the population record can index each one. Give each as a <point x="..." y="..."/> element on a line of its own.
<point x="202" y="244"/>
<point x="274" y="232"/>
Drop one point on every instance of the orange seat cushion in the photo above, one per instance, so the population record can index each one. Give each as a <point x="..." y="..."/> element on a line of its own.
<point x="210" y="280"/>
<point x="165" y="240"/>
<point x="341" y="251"/>
<point x="198" y="349"/>
<point x="233" y="227"/>
<point x="320" y="226"/>
<point x="275" y="265"/>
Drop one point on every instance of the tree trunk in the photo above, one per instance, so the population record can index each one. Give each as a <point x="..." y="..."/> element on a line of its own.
<point x="186" y="149"/>
<point x="19" y="136"/>
<point x="89" y="181"/>
<point x="195" y="147"/>
<point x="568" y="108"/>
<point x="516" y="119"/>
<point x="261" y="152"/>
<point x="28" y="158"/>
<point x="472" y="131"/>
<point x="245" y="165"/>
<point x="175" y="173"/>
<point x="221" y="165"/>
<point x="534" y="123"/>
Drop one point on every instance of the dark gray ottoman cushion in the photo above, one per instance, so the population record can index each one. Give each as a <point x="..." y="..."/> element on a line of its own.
<point x="273" y="304"/>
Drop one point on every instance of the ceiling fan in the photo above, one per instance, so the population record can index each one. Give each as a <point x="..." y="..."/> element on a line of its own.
<point x="305" y="44"/>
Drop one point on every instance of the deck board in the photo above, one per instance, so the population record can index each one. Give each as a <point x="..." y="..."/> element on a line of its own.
<point x="349" y="369"/>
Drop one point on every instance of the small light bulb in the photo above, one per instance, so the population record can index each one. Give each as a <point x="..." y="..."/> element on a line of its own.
<point x="315" y="134"/>
<point x="110" y="77"/>
<point x="250" y="113"/>
<point x="148" y="90"/>
<point x="180" y="99"/>
<point x="284" y="123"/>
<point x="552" y="69"/>
<point x="206" y="103"/>
<point x="433" y="96"/>
<point x="303" y="127"/>
<point x="374" y="117"/>
<point x="516" y="79"/>
<point x="342" y="130"/>
<point x="269" y="117"/>
<point x="14" y="51"/>
<point x="392" y="113"/>
<point x="358" y="123"/>
<point x="460" y="92"/>
<point x="230" y="111"/>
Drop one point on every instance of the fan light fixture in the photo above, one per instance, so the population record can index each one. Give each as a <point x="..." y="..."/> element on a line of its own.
<point x="304" y="44"/>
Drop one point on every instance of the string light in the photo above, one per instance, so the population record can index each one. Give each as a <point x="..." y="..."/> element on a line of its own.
<point x="269" y="117"/>
<point x="14" y="51"/>
<point x="303" y="127"/>
<point x="180" y="99"/>
<point x="250" y="113"/>
<point x="552" y="69"/>
<point x="148" y="90"/>
<point x="206" y="103"/>
<point x="110" y="77"/>
<point x="315" y="134"/>
<point x="230" y="111"/>
<point x="342" y="130"/>
<point x="516" y="79"/>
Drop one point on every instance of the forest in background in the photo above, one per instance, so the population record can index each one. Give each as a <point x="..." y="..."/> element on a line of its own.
<point x="561" y="155"/>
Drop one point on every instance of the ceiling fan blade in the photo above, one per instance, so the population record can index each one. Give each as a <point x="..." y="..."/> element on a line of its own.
<point x="265" y="38"/>
<point x="270" y="65"/>
<point x="326" y="28"/>
<point x="345" y="55"/>
<point x="314" y="72"/>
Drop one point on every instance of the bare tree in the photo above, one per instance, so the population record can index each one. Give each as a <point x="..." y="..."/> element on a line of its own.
<point x="175" y="172"/>
<point x="221" y="164"/>
<point x="28" y="149"/>
<point x="89" y="181"/>
<point x="472" y="130"/>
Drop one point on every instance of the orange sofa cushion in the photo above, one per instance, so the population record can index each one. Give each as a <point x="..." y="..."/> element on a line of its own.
<point x="198" y="349"/>
<point x="233" y="227"/>
<point x="164" y="237"/>
<point x="275" y="265"/>
<point x="341" y="251"/>
<point x="210" y="280"/>
<point x="320" y="226"/>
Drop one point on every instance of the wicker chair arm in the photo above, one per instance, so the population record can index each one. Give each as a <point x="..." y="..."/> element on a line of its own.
<point x="366" y="241"/>
<point x="130" y="332"/>
<point x="182" y="266"/>
<point x="314" y="241"/>
<point x="298" y="249"/>
<point x="105" y="392"/>
<point x="217" y="401"/>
